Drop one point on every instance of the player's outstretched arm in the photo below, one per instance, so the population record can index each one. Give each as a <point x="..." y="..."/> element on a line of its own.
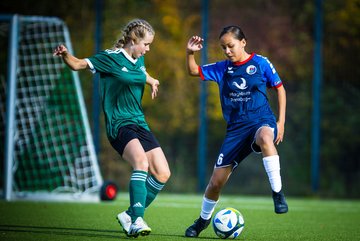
<point x="194" y="44"/>
<point x="70" y="60"/>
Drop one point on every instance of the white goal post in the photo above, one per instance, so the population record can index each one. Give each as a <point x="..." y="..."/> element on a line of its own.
<point x="47" y="151"/>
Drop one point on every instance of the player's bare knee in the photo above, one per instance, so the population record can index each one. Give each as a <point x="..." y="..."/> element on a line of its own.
<point x="164" y="176"/>
<point x="264" y="138"/>
<point x="167" y="175"/>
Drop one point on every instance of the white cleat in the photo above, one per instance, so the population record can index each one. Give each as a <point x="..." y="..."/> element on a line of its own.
<point x="139" y="227"/>
<point x="125" y="221"/>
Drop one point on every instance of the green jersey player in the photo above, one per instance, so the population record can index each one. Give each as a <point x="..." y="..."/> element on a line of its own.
<point x="122" y="81"/>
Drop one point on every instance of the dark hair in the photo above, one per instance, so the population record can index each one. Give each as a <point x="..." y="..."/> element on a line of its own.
<point x="235" y="31"/>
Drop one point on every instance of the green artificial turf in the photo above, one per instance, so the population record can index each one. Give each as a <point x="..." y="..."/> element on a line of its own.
<point x="171" y="214"/>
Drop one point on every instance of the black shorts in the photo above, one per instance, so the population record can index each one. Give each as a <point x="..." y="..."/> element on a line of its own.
<point x="129" y="132"/>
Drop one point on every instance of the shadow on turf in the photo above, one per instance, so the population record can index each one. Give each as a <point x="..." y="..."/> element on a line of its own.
<point x="79" y="232"/>
<point x="61" y="231"/>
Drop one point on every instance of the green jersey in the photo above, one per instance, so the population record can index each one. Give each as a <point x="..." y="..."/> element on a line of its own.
<point x="122" y="83"/>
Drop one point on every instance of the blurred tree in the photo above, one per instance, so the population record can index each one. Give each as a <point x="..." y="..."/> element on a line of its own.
<point x="281" y="30"/>
<point x="341" y="93"/>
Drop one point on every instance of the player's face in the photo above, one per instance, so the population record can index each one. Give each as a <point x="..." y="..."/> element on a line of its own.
<point x="142" y="46"/>
<point x="232" y="47"/>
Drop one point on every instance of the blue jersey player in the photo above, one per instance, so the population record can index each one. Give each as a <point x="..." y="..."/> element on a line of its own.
<point x="243" y="79"/>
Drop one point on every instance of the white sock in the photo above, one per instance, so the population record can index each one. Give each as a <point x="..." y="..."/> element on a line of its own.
<point x="272" y="168"/>
<point x="207" y="208"/>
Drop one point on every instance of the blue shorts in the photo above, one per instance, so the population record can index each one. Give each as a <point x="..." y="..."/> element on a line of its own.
<point x="239" y="141"/>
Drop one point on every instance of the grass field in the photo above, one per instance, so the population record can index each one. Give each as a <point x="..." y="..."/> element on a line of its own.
<point x="170" y="215"/>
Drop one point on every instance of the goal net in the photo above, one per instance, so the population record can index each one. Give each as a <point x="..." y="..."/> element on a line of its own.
<point x="48" y="150"/>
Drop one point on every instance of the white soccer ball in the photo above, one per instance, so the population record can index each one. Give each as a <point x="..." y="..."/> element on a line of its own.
<point x="228" y="223"/>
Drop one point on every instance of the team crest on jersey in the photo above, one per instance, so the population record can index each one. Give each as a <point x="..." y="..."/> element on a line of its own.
<point x="251" y="69"/>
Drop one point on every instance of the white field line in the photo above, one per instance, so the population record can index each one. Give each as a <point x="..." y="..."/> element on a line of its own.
<point x="249" y="203"/>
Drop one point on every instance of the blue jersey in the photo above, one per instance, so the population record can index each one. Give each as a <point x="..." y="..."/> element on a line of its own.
<point x="242" y="86"/>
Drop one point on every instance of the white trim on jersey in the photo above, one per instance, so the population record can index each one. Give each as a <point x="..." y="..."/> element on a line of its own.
<point x="131" y="59"/>
<point x="92" y="69"/>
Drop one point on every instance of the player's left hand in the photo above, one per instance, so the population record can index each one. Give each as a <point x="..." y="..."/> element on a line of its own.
<point x="154" y="88"/>
<point x="280" y="133"/>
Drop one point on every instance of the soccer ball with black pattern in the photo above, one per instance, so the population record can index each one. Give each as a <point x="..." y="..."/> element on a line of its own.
<point x="228" y="223"/>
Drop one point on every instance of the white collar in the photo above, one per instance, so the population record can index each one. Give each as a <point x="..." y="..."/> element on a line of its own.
<point x="130" y="58"/>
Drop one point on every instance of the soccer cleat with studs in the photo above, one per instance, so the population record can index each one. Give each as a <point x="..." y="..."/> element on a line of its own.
<point x="199" y="225"/>
<point x="280" y="204"/>
<point x="139" y="227"/>
<point x="125" y="221"/>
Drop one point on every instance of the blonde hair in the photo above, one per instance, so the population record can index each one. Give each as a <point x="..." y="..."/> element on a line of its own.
<point x="134" y="30"/>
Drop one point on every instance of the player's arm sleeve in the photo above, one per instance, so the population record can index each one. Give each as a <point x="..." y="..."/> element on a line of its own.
<point x="271" y="76"/>
<point x="214" y="71"/>
<point x="100" y="63"/>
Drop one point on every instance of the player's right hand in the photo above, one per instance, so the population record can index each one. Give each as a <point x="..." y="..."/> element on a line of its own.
<point x="194" y="44"/>
<point x="60" y="50"/>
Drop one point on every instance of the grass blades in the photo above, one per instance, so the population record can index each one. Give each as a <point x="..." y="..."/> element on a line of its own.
<point x="171" y="214"/>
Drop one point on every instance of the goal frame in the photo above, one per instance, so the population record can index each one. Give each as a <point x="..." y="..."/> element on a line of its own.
<point x="10" y="123"/>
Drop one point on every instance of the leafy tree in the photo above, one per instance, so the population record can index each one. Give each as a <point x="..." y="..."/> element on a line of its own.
<point x="281" y="30"/>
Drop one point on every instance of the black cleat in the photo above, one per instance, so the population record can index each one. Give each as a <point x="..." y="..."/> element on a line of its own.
<point x="198" y="226"/>
<point x="279" y="202"/>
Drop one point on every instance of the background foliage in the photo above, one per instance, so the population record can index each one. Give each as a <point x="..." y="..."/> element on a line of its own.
<point x="281" y="30"/>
